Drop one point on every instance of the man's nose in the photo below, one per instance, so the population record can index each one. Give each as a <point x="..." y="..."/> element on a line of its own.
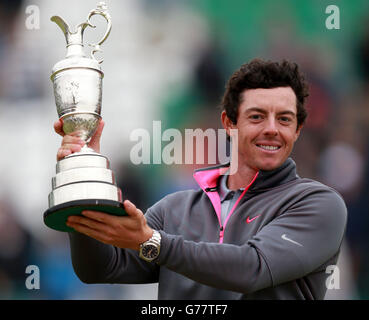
<point x="271" y="127"/>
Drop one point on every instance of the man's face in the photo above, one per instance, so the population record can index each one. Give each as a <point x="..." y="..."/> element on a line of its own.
<point x="267" y="127"/>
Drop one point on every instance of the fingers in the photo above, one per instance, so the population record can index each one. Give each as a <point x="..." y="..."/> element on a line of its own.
<point x="98" y="216"/>
<point x="131" y="209"/>
<point x="72" y="140"/>
<point x="99" y="130"/>
<point x="62" y="153"/>
<point x="95" y="139"/>
<point x="120" y="231"/>
<point x="89" y="227"/>
<point x="70" y="144"/>
<point x="58" y="127"/>
<point x="98" y="225"/>
<point x="87" y="222"/>
<point x="66" y="150"/>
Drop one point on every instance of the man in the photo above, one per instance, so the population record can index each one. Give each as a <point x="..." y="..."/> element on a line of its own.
<point x="261" y="233"/>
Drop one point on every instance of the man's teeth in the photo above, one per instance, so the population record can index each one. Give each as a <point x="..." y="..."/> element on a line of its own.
<point x="268" y="147"/>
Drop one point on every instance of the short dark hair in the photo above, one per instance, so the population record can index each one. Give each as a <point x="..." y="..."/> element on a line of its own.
<point x="259" y="73"/>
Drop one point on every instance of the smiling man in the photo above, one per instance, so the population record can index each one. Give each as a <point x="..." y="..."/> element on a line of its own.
<point x="267" y="128"/>
<point x="261" y="233"/>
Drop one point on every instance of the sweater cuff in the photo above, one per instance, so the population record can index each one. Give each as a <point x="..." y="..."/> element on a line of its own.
<point x="165" y="247"/>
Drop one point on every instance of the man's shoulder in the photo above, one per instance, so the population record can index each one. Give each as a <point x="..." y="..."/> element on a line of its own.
<point x="177" y="198"/>
<point x="305" y="187"/>
<point x="312" y="195"/>
<point x="317" y="196"/>
<point x="313" y="186"/>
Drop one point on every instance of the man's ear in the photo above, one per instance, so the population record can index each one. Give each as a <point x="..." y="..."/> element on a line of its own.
<point x="298" y="131"/>
<point x="226" y="122"/>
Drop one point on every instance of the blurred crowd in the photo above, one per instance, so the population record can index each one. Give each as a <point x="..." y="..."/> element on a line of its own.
<point x="169" y="61"/>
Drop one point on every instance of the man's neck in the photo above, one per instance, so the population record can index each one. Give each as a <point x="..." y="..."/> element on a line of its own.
<point x="241" y="178"/>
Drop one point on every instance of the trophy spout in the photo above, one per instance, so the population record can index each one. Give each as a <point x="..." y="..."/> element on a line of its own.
<point x="65" y="28"/>
<point x="74" y="40"/>
<point x="62" y="24"/>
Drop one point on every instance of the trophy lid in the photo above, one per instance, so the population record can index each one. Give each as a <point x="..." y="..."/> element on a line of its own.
<point x="75" y="62"/>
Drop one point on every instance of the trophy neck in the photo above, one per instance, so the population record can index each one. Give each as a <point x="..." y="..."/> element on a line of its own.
<point x="75" y="42"/>
<point x="75" y="50"/>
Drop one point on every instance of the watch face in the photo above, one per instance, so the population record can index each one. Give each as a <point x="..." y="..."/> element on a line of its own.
<point x="150" y="251"/>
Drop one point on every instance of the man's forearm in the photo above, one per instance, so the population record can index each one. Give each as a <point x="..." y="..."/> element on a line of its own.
<point x="90" y="258"/>
<point x="96" y="262"/>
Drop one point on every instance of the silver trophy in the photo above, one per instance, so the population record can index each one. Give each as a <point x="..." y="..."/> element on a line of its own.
<point x="83" y="180"/>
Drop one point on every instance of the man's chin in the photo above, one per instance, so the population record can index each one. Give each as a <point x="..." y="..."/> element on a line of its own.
<point x="269" y="166"/>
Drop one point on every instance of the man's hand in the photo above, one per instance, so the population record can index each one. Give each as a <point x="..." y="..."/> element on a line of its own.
<point x="73" y="143"/>
<point x="123" y="232"/>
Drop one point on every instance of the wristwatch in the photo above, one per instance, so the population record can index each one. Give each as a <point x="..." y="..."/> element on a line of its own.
<point x="150" y="249"/>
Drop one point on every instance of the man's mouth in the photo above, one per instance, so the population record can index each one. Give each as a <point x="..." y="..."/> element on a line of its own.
<point x="268" y="147"/>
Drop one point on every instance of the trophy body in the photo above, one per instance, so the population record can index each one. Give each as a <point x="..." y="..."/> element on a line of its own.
<point x="83" y="180"/>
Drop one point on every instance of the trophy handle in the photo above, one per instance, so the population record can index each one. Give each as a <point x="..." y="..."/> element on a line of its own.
<point x="101" y="10"/>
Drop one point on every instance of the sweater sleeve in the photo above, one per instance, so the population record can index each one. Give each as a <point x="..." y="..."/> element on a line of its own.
<point x="295" y="243"/>
<point x="96" y="262"/>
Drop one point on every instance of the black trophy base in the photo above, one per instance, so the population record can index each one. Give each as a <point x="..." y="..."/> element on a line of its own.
<point x="56" y="217"/>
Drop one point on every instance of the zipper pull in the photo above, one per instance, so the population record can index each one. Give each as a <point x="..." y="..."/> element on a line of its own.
<point x="221" y="234"/>
<point x="213" y="189"/>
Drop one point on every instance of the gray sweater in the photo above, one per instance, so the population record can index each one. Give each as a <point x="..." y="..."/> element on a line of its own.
<point x="275" y="244"/>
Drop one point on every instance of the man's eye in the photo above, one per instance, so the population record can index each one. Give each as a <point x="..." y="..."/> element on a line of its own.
<point x="285" y="119"/>
<point x="255" y="117"/>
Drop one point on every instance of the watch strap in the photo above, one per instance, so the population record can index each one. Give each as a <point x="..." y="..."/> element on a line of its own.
<point x="155" y="240"/>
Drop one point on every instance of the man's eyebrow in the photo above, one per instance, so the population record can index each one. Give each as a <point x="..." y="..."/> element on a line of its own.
<point x="287" y="112"/>
<point x="256" y="109"/>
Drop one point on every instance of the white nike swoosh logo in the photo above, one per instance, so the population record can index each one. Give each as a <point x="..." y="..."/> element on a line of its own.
<point x="284" y="237"/>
